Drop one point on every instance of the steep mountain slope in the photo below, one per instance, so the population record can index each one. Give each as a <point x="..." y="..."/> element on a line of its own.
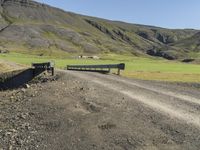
<point x="28" y="26"/>
<point x="191" y="44"/>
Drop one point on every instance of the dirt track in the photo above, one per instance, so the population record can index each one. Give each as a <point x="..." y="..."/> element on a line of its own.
<point x="93" y="111"/>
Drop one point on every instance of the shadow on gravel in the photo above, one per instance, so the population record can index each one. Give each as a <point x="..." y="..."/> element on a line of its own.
<point x="20" y="79"/>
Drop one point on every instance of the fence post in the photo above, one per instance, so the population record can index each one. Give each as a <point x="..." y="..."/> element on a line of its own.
<point x="52" y="71"/>
<point x="118" y="72"/>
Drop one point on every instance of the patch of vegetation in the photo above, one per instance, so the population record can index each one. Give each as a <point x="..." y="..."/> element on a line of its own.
<point x="136" y="67"/>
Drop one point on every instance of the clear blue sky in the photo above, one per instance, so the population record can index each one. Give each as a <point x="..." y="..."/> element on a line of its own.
<point x="163" y="13"/>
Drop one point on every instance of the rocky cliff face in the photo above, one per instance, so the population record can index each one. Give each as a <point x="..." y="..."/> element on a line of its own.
<point x="37" y="28"/>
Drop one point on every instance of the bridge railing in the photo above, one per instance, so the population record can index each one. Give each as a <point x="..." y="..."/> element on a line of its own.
<point x="49" y="66"/>
<point x="97" y="68"/>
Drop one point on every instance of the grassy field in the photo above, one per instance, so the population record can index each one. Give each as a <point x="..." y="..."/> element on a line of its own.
<point x="136" y="67"/>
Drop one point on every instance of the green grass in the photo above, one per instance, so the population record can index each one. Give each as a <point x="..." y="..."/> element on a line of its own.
<point x="136" y="67"/>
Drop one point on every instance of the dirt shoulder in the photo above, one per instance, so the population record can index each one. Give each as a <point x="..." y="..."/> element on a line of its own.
<point x="92" y="111"/>
<point x="7" y="66"/>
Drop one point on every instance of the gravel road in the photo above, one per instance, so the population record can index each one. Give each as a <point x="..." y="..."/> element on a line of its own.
<point x="82" y="110"/>
<point x="177" y="102"/>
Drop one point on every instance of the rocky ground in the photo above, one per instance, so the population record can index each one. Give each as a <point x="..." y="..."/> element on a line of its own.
<point x="18" y="129"/>
<point x="74" y="110"/>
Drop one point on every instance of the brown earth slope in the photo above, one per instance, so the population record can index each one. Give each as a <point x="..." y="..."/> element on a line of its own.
<point x="7" y="66"/>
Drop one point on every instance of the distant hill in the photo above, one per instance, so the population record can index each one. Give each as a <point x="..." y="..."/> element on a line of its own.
<point x="190" y="45"/>
<point x="28" y="26"/>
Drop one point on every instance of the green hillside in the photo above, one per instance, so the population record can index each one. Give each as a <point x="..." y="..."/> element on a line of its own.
<point x="34" y="28"/>
<point x="190" y="45"/>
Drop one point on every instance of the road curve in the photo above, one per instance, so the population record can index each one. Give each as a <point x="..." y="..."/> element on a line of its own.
<point x="113" y="112"/>
<point x="92" y="111"/>
<point x="182" y="104"/>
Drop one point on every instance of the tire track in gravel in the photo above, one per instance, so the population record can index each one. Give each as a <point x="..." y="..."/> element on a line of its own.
<point x="167" y="92"/>
<point x="176" y="105"/>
